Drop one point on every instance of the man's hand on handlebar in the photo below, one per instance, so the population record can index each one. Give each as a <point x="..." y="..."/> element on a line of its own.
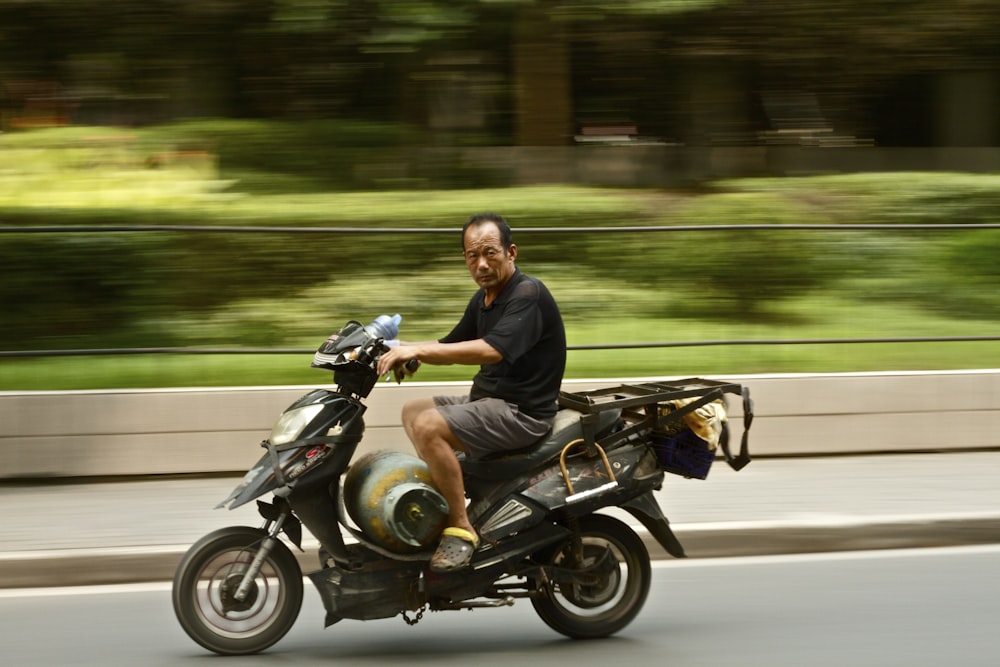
<point x="409" y="368"/>
<point x="400" y="360"/>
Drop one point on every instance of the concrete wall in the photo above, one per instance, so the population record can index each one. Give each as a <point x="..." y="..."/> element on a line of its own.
<point x="168" y="431"/>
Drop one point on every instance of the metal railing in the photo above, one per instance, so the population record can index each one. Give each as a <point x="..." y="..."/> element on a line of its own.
<point x="606" y="346"/>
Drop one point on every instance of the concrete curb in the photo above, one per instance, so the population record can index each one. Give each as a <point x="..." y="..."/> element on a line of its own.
<point x="814" y="538"/>
<point x="121" y="565"/>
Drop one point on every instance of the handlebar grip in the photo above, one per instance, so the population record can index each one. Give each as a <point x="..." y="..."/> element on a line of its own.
<point x="409" y="368"/>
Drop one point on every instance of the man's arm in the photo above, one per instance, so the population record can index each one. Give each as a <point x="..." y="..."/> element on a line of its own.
<point x="467" y="352"/>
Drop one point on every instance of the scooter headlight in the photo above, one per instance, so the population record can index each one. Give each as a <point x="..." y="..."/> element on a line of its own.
<point x="291" y="423"/>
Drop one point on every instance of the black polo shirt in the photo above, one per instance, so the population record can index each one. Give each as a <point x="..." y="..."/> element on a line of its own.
<point x="524" y="325"/>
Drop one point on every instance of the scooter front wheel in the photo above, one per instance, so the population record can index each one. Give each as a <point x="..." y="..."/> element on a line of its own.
<point x="599" y="580"/>
<point x="205" y="585"/>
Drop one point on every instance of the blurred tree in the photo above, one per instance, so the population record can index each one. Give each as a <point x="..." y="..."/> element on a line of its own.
<point x="542" y="78"/>
<point x="852" y="54"/>
<point x="558" y="59"/>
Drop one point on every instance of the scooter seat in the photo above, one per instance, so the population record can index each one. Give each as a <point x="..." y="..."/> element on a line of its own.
<point x="566" y="428"/>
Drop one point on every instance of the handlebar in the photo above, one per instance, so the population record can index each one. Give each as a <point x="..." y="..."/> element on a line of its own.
<point x="353" y="352"/>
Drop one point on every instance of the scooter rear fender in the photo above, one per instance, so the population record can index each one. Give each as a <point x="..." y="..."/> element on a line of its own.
<point x="648" y="512"/>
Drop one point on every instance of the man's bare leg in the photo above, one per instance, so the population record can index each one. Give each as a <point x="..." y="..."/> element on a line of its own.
<point x="436" y="445"/>
<point x="411" y="410"/>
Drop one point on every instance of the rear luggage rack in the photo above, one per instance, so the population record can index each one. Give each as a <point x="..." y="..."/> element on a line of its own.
<point x="647" y="407"/>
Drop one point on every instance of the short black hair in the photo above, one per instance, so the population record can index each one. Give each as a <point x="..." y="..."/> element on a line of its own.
<point x="479" y="218"/>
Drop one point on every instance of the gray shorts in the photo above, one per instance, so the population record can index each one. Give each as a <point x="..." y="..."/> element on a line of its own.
<point x="490" y="425"/>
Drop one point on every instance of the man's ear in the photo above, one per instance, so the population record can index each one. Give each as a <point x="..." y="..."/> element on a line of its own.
<point x="512" y="251"/>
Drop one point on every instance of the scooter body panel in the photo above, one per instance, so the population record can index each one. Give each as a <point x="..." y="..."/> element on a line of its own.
<point x="320" y="453"/>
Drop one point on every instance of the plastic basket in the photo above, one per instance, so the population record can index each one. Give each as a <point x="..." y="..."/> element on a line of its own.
<point x="683" y="453"/>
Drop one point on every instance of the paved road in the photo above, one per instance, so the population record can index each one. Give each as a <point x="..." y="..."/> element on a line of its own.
<point x="915" y="608"/>
<point x="89" y="533"/>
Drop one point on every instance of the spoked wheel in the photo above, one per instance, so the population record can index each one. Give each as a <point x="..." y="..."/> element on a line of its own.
<point x="205" y="585"/>
<point x="598" y="582"/>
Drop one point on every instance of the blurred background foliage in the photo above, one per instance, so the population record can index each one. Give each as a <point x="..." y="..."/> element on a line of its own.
<point x="557" y="113"/>
<point x="194" y="286"/>
<point x="513" y="72"/>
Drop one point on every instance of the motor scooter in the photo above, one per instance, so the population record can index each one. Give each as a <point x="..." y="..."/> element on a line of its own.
<point x="377" y="517"/>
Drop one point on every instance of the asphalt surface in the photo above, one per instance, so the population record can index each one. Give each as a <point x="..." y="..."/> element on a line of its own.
<point x="86" y="533"/>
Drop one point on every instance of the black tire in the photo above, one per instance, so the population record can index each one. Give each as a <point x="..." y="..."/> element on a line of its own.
<point x="207" y="577"/>
<point x="618" y="585"/>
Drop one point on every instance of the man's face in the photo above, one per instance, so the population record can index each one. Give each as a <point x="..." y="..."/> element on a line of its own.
<point x="489" y="262"/>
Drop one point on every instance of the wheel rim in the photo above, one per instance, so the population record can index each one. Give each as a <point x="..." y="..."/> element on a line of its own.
<point x="608" y="583"/>
<point x="215" y="602"/>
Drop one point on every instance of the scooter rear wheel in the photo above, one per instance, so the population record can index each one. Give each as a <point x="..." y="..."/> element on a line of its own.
<point x="610" y="582"/>
<point x="205" y="585"/>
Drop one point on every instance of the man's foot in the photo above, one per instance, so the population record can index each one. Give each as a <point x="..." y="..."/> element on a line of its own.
<point x="455" y="550"/>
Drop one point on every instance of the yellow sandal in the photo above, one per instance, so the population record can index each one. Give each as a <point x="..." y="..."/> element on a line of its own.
<point x="455" y="550"/>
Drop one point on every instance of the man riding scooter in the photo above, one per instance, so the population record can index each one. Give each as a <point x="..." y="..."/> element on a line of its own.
<point x="513" y="330"/>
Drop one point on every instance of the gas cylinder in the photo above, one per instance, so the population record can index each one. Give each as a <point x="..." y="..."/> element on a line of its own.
<point x="392" y="500"/>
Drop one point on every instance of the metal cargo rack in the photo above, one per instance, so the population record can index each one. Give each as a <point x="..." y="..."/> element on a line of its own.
<point x="640" y="406"/>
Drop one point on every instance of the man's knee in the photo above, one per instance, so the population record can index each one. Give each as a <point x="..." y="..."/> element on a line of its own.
<point x="429" y="429"/>
<point x="413" y="408"/>
<point x="428" y="424"/>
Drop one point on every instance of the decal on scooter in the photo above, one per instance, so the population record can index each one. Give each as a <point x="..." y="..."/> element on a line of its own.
<point x="511" y="512"/>
<point x="545" y="474"/>
<point x="312" y="456"/>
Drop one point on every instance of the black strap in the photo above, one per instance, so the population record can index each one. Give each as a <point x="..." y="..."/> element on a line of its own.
<point x="741" y="460"/>
<point x="677" y="413"/>
<point x="275" y="463"/>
